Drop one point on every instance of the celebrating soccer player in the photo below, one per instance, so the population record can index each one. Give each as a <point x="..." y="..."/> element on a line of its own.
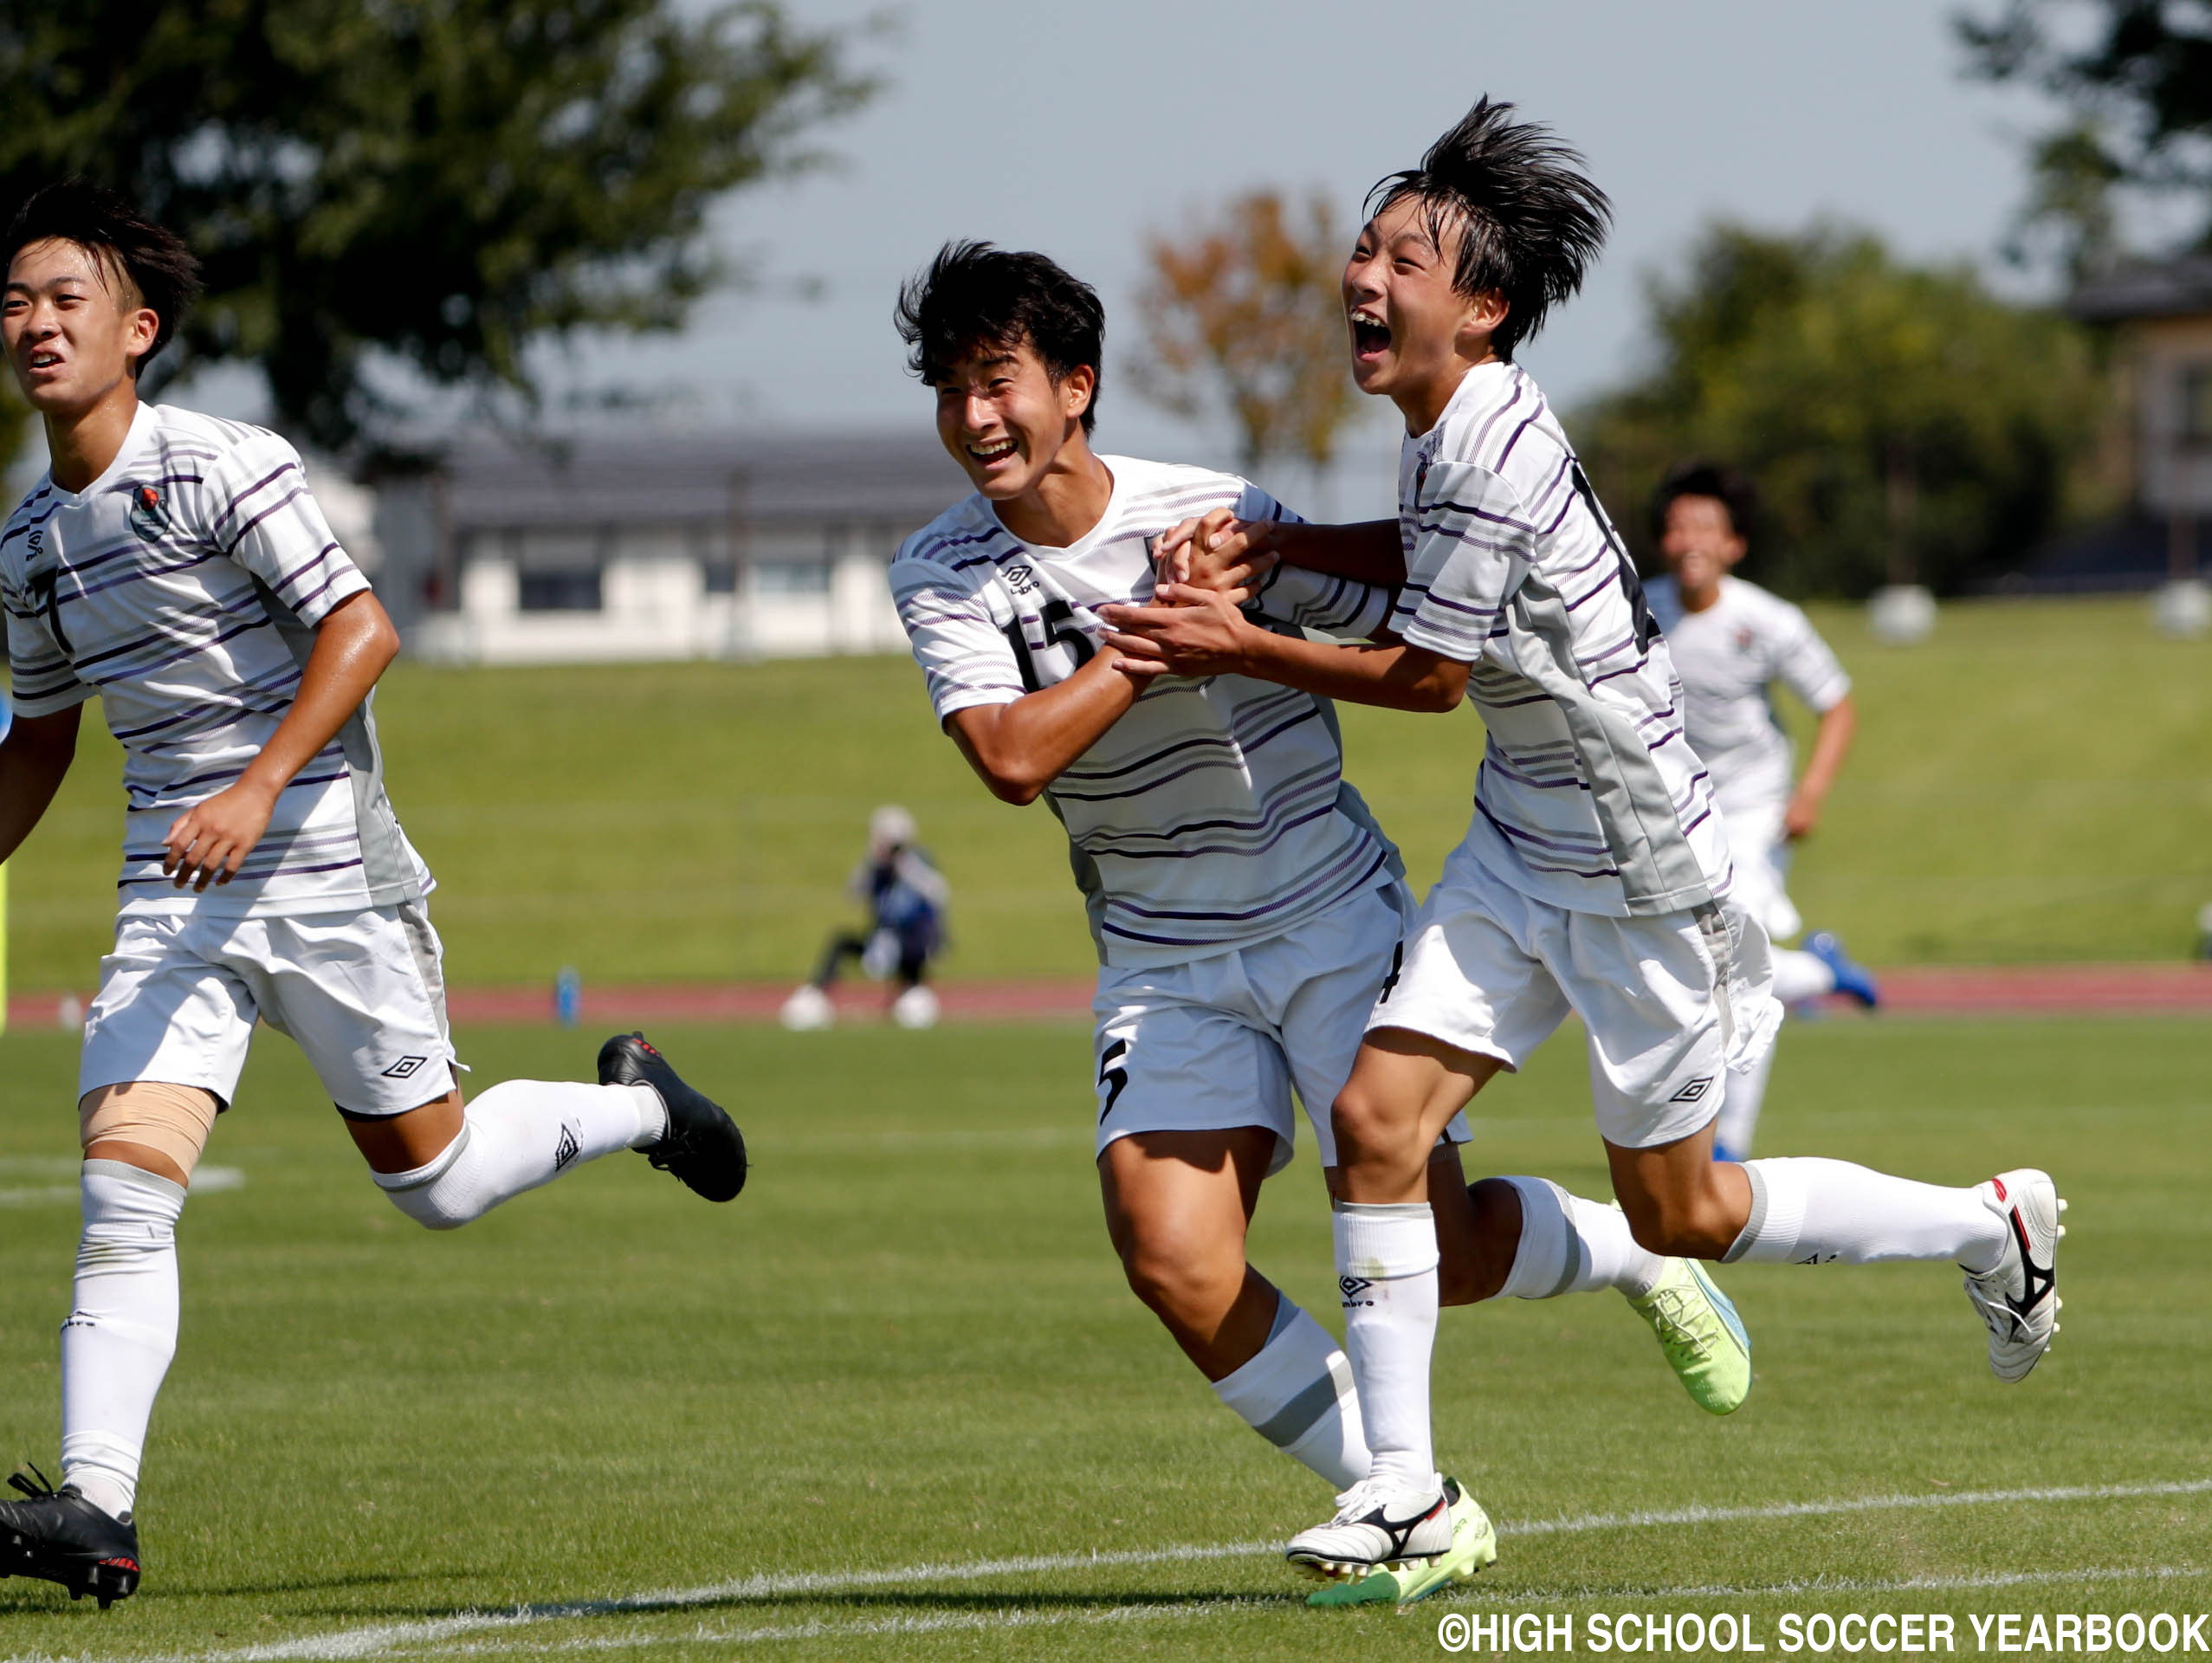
<point x="1244" y="904"/>
<point x="1731" y="641"/>
<point x="1595" y="877"/>
<point x="177" y="566"/>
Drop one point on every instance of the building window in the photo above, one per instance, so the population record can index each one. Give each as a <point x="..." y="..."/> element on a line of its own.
<point x="720" y="576"/>
<point x="2197" y="404"/>
<point x="790" y="577"/>
<point x="574" y="590"/>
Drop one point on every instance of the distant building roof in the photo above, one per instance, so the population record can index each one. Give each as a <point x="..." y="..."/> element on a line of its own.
<point x="2146" y="288"/>
<point x="645" y="479"/>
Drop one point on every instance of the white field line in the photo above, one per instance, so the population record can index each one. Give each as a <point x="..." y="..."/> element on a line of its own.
<point x="205" y="1180"/>
<point x="381" y="1639"/>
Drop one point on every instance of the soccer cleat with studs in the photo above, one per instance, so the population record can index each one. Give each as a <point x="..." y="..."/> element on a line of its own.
<point x="1469" y="1543"/>
<point x="59" y="1536"/>
<point x="703" y="1147"/>
<point x="2017" y="1298"/>
<point x="1701" y="1334"/>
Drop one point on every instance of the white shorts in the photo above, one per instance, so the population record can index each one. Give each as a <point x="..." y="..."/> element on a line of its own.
<point x="1671" y="1003"/>
<point x="1762" y="851"/>
<point x="1219" y="1042"/>
<point x="361" y="992"/>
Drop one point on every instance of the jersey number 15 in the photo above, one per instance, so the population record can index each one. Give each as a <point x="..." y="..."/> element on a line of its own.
<point x="1061" y="630"/>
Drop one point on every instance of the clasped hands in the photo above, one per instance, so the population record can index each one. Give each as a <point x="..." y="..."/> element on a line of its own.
<point x="1208" y="568"/>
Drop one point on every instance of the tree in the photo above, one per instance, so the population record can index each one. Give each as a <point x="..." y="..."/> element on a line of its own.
<point x="1243" y="310"/>
<point x="1902" y="423"/>
<point x="445" y="181"/>
<point x="2136" y="76"/>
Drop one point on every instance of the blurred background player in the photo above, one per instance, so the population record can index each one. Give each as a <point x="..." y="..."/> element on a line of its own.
<point x="906" y="896"/>
<point x="177" y="566"/>
<point x="1731" y="641"/>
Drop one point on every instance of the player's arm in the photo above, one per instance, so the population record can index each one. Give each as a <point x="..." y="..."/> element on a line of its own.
<point x="1197" y="632"/>
<point x="1018" y="749"/>
<point x="1219" y="549"/>
<point x="355" y="643"/>
<point x="1839" y="723"/>
<point x="35" y="758"/>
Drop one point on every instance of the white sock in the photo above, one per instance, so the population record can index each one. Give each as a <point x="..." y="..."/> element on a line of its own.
<point x="519" y="1135"/>
<point x="1385" y="1267"/>
<point x="121" y="1329"/>
<point x="1298" y="1395"/>
<point x="1571" y="1246"/>
<point x="1741" y="1094"/>
<point x="1807" y="1210"/>
<point x="1799" y="976"/>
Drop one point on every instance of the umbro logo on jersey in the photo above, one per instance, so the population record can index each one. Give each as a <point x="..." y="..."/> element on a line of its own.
<point x="1352" y="1287"/>
<point x="1693" y="1091"/>
<point x="404" y="1068"/>
<point x="568" y="1149"/>
<point x="148" y="518"/>
<point x="1019" y="578"/>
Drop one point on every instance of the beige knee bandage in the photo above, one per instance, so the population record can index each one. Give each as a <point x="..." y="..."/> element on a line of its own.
<point x="171" y="1120"/>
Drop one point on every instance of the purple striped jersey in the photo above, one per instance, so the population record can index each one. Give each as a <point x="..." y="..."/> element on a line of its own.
<point x="182" y="586"/>
<point x="1589" y="796"/>
<point x="1215" y="812"/>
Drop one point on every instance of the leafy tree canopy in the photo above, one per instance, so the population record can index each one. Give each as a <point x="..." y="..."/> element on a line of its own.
<point x="442" y="180"/>
<point x="1901" y="422"/>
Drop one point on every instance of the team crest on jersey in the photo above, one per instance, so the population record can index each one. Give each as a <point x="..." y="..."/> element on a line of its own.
<point x="148" y="517"/>
<point x="1019" y="577"/>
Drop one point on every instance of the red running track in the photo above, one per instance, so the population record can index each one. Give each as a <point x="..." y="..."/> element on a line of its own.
<point x="2009" y="990"/>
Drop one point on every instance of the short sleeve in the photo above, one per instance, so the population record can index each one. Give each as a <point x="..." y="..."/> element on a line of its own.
<point x="44" y="679"/>
<point x="259" y="511"/>
<point x="1807" y="667"/>
<point x="964" y="655"/>
<point x="1471" y="545"/>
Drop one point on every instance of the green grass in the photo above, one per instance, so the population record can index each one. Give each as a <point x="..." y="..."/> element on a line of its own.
<point x="908" y="1344"/>
<point x="2035" y="785"/>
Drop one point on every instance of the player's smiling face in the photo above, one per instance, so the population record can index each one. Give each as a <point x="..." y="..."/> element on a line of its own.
<point x="71" y="335"/>
<point x="1414" y="335"/>
<point x="1005" y="420"/>
<point x="1700" y="544"/>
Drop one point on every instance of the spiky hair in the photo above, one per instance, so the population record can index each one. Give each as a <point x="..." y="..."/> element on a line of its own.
<point x="147" y="258"/>
<point x="1529" y="222"/>
<point x="975" y="295"/>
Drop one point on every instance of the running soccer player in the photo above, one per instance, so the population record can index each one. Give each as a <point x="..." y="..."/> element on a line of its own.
<point x="1731" y="641"/>
<point x="1244" y="901"/>
<point x="178" y="567"/>
<point x="1595" y="877"/>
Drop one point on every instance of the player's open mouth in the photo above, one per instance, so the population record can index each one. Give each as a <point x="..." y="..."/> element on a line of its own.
<point x="44" y="360"/>
<point x="996" y="450"/>
<point x="1371" y="336"/>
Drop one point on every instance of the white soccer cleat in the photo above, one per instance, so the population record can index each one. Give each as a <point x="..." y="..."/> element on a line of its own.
<point x="2018" y="1298"/>
<point x="807" y="1009"/>
<point x="916" y="1008"/>
<point x="1377" y="1523"/>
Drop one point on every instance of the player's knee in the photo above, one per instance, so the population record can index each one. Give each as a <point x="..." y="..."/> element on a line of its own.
<point x="1178" y="1277"/>
<point x="442" y="1196"/>
<point x="1366" y="1125"/>
<point x="1477" y="1268"/>
<point x="1679" y="1226"/>
<point x="172" y="1121"/>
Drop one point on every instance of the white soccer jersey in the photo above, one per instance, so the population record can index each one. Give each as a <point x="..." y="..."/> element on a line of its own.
<point x="1729" y="656"/>
<point x="1214" y="813"/>
<point x="1589" y="797"/>
<point x="182" y="586"/>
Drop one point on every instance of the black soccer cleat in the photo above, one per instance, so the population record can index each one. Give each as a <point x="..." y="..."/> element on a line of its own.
<point x="60" y="1536"/>
<point x="703" y="1147"/>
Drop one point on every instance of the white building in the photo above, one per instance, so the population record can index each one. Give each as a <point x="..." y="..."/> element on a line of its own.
<point x="508" y="552"/>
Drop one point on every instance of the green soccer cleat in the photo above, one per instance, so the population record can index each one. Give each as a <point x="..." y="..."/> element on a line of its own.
<point x="1702" y="1336"/>
<point x="1474" y="1544"/>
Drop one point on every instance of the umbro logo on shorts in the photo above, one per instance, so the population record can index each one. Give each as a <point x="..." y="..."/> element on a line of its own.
<point x="404" y="1068"/>
<point x="1693" y="1091"/>
<point x="1352" y="1287"/>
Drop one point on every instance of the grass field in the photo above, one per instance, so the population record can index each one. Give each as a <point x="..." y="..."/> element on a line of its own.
<point x="895" y="1403"/>
<point x="2034" y="784"/>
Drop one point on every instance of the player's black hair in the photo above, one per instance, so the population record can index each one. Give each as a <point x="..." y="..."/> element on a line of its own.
<point x="1530" y="222"/>
<point x="151" y="259"/>
<point x="975" y="295"/>
<point x="1717" y="479"/>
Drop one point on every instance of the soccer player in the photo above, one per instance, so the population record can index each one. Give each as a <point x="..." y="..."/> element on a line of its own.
<point x="178" y="567"/>
<point x="1244" y="901"/>
<point x="905" y="895"/>
<point x="1595" y="877"/>
<point x="1731" y="641"/>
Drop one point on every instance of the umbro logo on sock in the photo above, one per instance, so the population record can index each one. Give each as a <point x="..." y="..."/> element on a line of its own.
<point x="568" y="1149"/>
<point x="1693" y="1091"/>
<point x="404" y="1068"/>
<point x="1352" y="1287"/>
